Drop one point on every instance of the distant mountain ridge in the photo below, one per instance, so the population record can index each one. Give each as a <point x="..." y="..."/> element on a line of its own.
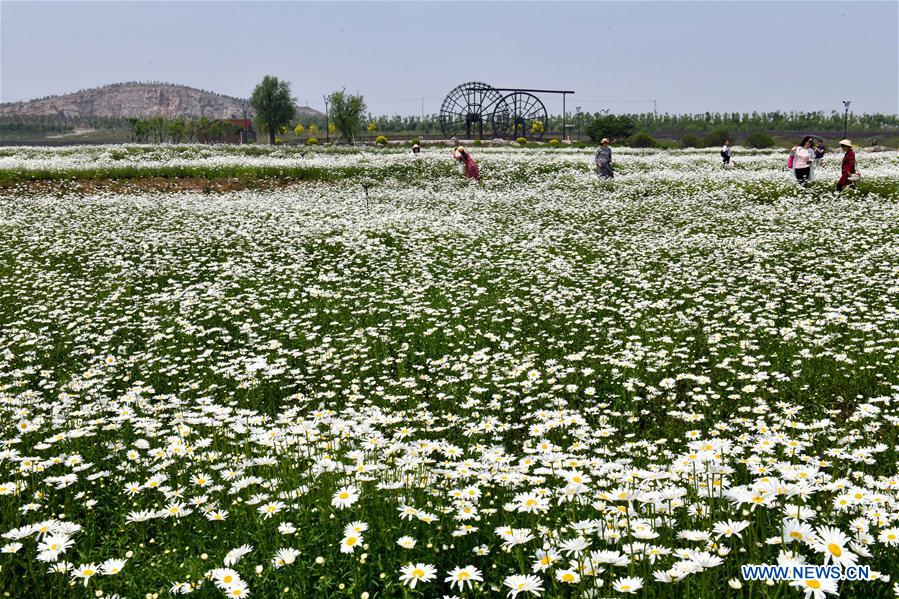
<point x="140" y="100"/>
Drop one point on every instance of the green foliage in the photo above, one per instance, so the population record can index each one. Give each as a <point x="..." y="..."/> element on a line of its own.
<point x="690" y="141"/>
<point x="521" y="140"/>
<point x="477" y="142"/>
<point x="381" y="140"/>
<point x="612" y="126"/>
<point x="346" y="113"/>
<point x="312" y="141"/>
<point x="716" y="137"/>
<point x="274" y="106"/>
<point x="416" y="141"/>
<point x="642" y="140"/>
<point x="759" y="139"/>
<point x="555" y="143"/>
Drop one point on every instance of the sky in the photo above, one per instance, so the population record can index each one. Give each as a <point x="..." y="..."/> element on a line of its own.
<point x="687" y="56"/>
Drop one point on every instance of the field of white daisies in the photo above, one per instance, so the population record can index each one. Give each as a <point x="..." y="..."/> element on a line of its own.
<point x="379" y="381"/>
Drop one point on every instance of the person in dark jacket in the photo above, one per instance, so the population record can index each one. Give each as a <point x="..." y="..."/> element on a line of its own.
<point x="604" y="160"/>
<point x="849" y="173"/>
<point x="820" y="150"/>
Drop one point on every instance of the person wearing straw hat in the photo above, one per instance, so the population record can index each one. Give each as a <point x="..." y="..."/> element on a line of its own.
<point x="849" y="172"/>
<point x="469" y="166"/>
<point x="604" y="160"/>
<point x="416" y="152"/>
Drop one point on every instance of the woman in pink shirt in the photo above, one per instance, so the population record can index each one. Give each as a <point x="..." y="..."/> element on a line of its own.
<point x="468" y="163"/>
<point x="803" y="154"/>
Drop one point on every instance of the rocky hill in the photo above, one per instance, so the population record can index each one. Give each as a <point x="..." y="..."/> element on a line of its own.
<point x="142" y="100"/>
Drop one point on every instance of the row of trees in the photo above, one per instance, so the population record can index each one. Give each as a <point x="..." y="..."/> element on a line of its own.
<point x="162" y="130"/>
<point x="627" y="130"/>
<point x="51" y="123"/>
<point x="276" y="110"/>
<point x="665" y="125"/>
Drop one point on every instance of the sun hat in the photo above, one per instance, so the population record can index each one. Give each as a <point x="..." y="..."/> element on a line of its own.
<point x="845" y="142"/>
<point x="416" y="146"/>
<point x="605" y="140"/>
<point x="460" y="149"/>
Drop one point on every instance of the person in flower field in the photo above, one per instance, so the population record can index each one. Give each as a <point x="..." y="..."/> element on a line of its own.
<point x="469" y="166"/>
<point x="603" y="159"/>
<point x="849" y="172"/>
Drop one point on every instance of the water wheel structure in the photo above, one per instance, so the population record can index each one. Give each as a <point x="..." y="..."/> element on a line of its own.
<point x="472" y="108"/>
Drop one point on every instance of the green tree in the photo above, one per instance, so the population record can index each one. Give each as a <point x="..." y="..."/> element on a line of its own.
<point x="176" y="130"/>
<point x="641" y="139"/>
<point x="716" y="137"/>
<point x="346" y="114"/>
<point x="611" y="126"/>
<point x="690" y="141"/>
<point x="273" y="104"/>
<point x="759" y="139"/>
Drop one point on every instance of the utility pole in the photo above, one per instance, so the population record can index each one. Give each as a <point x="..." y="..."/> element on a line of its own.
<point x="846" y="104"/>
<point x="655" y="107"/>
<point x="563" y="116"/>
<point x="327" y="128"/>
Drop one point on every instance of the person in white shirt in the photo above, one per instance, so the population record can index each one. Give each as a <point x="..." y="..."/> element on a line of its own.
<point x="725" y="152"/>
<point x="416" y="152"/>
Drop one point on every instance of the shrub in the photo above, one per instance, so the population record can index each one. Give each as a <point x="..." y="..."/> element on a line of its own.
<point x="278" y="141"/>
<point x="611" y="126"/>
<point x="759" y="139"/>
<point x="555" y="143"/>
<point x="690" y="141"/>
<point x="642" y="140"/>
<point x="477" y="142"/>
<point x="312" y="141"/>
<point x="416" y="141"/>
<point x="716" y="137"/>
<point x="381" y="140"/>
<point x="521" y="140"/>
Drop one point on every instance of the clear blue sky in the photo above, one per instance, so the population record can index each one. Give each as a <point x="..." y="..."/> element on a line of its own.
<point x="690" y="56"/>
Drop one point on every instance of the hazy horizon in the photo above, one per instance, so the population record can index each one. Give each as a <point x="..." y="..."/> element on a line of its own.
<point x="690" y="57"/>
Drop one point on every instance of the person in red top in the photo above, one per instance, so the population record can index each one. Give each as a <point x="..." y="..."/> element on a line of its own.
<point x="470" y="166"/>
<point x="848" y="165"/>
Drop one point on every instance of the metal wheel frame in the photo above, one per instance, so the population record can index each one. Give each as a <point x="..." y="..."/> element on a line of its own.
<point x="518" y="111"/>
<point x="466" y="108"/>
